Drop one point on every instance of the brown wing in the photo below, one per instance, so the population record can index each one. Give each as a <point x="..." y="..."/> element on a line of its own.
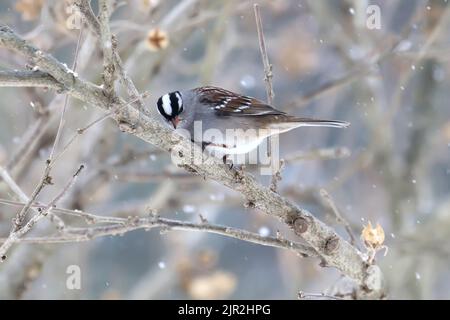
<point x="228" y="103"/>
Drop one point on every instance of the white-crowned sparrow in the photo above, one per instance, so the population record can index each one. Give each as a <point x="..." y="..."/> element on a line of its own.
<point x="226" y="113"/>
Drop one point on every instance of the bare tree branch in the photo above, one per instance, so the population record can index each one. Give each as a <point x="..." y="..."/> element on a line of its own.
<point x="64" y="108"/>
<point x="95" y="26"/>
<point x="339" y="217"/>
<point x="107" y="43"/>
<point x="268" y="75"/>
<point x="122" y="225"/>
<point x="28" y="79"/>
<point x="265" y="58"/>
<point x="21" y="215"/>
<point x="18" y="232"/>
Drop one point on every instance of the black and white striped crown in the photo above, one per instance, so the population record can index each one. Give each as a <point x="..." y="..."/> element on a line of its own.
<point x="170" y="105"/>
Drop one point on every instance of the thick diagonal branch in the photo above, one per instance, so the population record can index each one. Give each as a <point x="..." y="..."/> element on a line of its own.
<point x="28" y="79"/>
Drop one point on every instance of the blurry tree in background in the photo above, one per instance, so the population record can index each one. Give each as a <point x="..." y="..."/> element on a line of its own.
<point x="110" y="216"/>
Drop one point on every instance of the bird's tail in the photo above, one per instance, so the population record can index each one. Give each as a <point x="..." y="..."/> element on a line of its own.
<point x="295" y="122"/>
<point x="308" y="122"/>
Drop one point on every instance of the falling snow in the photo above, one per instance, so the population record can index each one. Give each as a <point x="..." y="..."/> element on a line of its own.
<point x="188" y="208"/>
<point x="72" y="72"/>
<point x="248" y="81"/>
<point x="264" y="231"/>
<point x="217" y="197"/>
<point x="405" y="45"/>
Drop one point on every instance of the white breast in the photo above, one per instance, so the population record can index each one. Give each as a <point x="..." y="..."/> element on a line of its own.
<point x="239" y="148"/>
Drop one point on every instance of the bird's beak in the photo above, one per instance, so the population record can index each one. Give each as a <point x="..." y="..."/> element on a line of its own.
<point x="175" y="122"/>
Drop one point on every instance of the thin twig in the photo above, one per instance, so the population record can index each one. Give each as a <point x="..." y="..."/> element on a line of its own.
<point x="94" y="25"/>
<point x="18" y="233"/>
<point x="276" y="177"/>
<point x="268" y="75"/>
<point x="108" y="46"/>
<point x="339" y="218"/>
<point x="81" y="131"/>
<point x="316" y="296"/>
<point x="24" y="198"/>
<point x="45" y="179"/>
<point x="90" y="218"/>
<point x="66" y="100"/>
<point x="30" y="139"/>
<point x="143" y="223"/>
<point x="120" y="226"/>
<point x="13" y="185"/>
<point x="145" y="177"/>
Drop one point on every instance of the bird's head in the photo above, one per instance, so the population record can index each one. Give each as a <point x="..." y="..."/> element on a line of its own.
<point x="170" y="106"/>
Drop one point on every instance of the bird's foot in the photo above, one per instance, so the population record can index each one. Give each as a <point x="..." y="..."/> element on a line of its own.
<point x="228" y="162"/>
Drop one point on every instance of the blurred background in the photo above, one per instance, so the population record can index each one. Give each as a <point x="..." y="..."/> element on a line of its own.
<point x="389" y="77"/>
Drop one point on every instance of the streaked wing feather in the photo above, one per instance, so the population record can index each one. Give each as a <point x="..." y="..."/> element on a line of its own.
<point x="228" y="103"/>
